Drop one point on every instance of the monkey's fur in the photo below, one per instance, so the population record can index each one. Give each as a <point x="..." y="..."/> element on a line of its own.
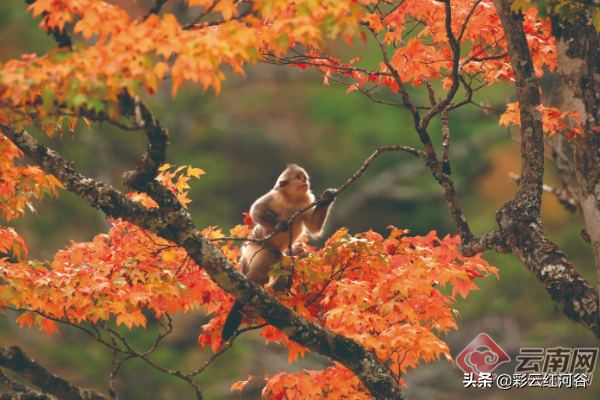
<point x="270" y="212"/>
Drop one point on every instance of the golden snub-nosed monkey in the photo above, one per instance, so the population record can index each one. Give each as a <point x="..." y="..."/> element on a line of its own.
<point x="270" y="213"/>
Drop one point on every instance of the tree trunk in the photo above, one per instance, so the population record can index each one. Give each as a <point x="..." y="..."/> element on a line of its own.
<point x="520" y="220"/>
<point x="578" y="53"/>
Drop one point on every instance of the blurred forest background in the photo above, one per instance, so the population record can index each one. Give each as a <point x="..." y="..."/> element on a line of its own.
<point x="243" y="139"/>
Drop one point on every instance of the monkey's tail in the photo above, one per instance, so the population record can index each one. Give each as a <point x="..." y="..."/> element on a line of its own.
<point x="233" y="321"/>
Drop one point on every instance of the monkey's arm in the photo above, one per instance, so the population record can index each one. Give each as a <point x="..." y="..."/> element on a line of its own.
<point x="315" y="221"/>
<point x="261" y="214"/>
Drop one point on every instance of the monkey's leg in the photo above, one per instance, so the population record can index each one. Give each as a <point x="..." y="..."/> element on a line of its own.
<point x="256" y="263"/>
<point x="233" y="321"/>
<point x="259" y="262"/>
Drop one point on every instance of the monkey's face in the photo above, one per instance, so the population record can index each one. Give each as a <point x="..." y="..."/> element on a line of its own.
<point x="294" y="182"/>
<point x="301" y="181"/>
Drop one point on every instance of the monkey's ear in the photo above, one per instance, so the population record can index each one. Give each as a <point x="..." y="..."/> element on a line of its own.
<point x="282" y="183"/>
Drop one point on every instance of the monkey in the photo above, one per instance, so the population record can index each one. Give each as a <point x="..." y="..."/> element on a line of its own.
<point x="270" y="213"/>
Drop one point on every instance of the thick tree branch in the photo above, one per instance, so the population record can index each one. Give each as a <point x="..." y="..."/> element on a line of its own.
<point x="529" y="195"/>
<point x="21" y="389"/>
<point x="154" y="157"/>
<point x="494" y="240"/>
<point x="519" y="219"/>
<point x="14" y="359"/>
<point x="445" y="143"/>
<point x="176" y="225"/>
<point x="24" y="396"/>
<point x="578" y="55"/>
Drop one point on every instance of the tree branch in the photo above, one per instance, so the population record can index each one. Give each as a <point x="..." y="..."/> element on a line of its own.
<point x="156" y="9"/>
<point x="519" y="219"/>
<point x="14" y="359"/>
<point x="494" y="240"/>
<point x="25" y="396"/>
<point x="20" y="388"/>
<point x="464" y="27"/>
<point x="454" y="74"/>
<point x="176" y="225"/>
<point x="445" y="143"/>
<point x="154" y="157"/>
<point x="563" y="196"/>
<point x="417" y="153"/>
<point x="200" y="16"/>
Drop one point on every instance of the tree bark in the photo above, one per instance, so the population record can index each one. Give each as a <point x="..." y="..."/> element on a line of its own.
<point x="14" y="359"/>
<point x="578" y="56"/>
<point x="520" y="220"/>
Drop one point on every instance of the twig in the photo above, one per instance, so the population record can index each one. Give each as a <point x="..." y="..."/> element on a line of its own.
<point x="445" y="142"/>
<point x="563" y="196"/>
<point x="241" y="15"/>
<point x="417" y="153"/>
<point x="454" y="74"/>
<point x="464" y="27"/>
<point x="586" y="236"/>
<point x="199" y="17"/>
<point x="156" y="9"/>
<point x="222" y="350"/>
<point x="431" y="92"/>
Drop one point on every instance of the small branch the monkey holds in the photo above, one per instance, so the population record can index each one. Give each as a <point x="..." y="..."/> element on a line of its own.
<point x="270" y="213"/>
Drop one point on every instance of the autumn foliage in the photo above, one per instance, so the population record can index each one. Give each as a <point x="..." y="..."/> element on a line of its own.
<point x="395" y="295"/>
<point x="387" y="293"/>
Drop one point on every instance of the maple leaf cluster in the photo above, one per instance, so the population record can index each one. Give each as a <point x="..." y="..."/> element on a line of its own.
<point x="394" y="295"/>
<point x="125" y="55"/>
<point x="19" y="185"/>
<point x="416" y="33"/>
<point x="387" y="293"/>
<point x="128" y="55"/>
<point x="567" y="123"/>
<point x="119" y="273"/>
<point x="177" y="183"/>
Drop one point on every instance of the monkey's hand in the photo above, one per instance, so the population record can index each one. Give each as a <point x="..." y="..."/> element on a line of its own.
<point x="282" y="225"/>
<point x="328" y="196"/>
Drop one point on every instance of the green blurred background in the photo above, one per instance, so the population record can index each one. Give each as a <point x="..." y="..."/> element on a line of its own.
<point x="243" y="138"/>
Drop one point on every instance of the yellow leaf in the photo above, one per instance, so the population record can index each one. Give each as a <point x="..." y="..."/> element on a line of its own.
<point x="195" y="172"/>
<point x="169" y="255"/>
<point x="160" y="69"/>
